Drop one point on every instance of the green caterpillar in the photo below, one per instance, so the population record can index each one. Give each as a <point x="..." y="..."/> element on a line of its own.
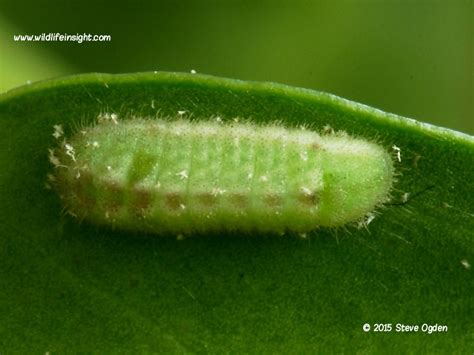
<point x="185" y="177"/>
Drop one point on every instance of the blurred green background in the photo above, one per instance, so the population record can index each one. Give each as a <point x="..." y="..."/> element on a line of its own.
<point x="413" y="58"/>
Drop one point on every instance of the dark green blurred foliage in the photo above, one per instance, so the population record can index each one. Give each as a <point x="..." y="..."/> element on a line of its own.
<point x="413" y="58"/>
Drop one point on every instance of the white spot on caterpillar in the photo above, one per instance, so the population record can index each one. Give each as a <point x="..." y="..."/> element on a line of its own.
<point x="183" y="174"/>
<point x="181" y="112"/>
<point x="304" y="155"/>
<point x="95" y="144"/>
<point x="366" y="221"/>
<point x="217" y="191"/>
<point x="405" y="197"/>
<point x="70" y="151"/>
<point x="53" y="159"/>
<point x="193" y="71"/>
<point x="249" y="176"/>
<point x="328" y="129"/>
<point x="114" y="118"/>
<point x="370" y="218"/>
<point x="109" y="167"/>
<point x="398" y="152"/>
<point x="58" y="131"/>
<point x="108" y="117"/>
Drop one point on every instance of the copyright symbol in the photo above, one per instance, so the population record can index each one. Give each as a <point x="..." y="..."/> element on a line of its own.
<point x="366" y="327"/>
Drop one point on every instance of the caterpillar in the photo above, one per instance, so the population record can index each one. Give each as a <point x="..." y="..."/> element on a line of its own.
<point x="182" y="177"/>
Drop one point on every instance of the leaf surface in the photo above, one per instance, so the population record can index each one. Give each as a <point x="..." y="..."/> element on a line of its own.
<point x="69" y="286"/>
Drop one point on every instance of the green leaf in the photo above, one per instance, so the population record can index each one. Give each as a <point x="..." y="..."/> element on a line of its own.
<point x="68" y="286"/>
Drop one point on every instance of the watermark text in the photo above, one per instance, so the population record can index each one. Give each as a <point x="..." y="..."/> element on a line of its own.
<point x="62" y="37"/>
